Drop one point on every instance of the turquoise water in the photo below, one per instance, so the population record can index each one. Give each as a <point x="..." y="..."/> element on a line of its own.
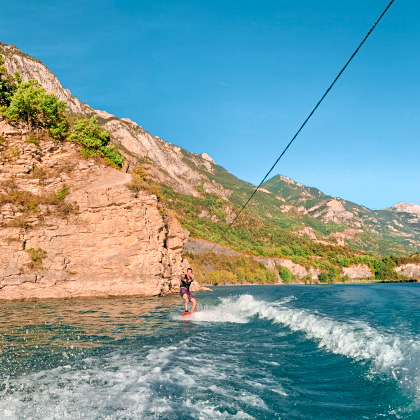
<point x="261" y="352"/>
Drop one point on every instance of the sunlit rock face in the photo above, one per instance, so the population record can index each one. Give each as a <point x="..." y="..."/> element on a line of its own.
<point x="110" y="243"/>
<point x="411" y="271"/>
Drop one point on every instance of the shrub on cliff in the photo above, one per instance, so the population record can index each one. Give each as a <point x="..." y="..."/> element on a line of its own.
<point x="285" y="274"/>
<point x="7" y="84"/>
<point x="140" y="181"/>
<point x="36" y="255"/>
<point x="28" y="203"/>
<point x="39" y="109"/>
<point x="29" y="102"/>
<point x="95" y="140"/>
<point x="271" y="276"/>
<point x="323" y="278"/>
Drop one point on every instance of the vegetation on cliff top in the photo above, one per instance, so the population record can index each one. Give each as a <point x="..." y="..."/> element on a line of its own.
<point x="29" y="102"/>
<point x="28" y="203"/>
<point x="32" y="104"/>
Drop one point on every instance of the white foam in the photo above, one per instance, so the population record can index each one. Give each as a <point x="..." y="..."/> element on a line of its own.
<point x="95" y="392"/>
<point x="229" y="310"/>
<point x="158" y="384"/>
<point x="221" y="314"/>
<point x="390" y="354"/>
<point x="280" y="391"/>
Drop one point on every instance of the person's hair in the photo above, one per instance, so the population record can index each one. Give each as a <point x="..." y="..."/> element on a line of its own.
<point x="189" y="269"/>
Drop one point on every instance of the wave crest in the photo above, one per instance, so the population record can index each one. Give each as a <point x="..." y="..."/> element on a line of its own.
<point x="390" y="354"/>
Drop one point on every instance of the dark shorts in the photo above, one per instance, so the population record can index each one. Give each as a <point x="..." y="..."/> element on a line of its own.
<point x="183" y="291"/>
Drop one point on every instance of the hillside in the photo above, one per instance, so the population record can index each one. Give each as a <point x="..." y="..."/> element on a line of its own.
<point x="386" y="231"/>
<point x="286" y="220"/>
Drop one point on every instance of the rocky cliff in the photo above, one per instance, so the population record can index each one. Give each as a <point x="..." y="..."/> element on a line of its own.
<point x="72" y="228"/>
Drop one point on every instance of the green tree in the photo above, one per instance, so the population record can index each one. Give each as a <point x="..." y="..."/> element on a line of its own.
<point x="240" y="274"/>
<point x="323" y="278"/>
<point x="53" y="113"/>
<point x="213" y="278"/>
<point x="31" y="103"/>
<point x="333" y="274"/>
<point x="95" y="140"/>
<point x="271" y="276"/>
<point x="7" y="84"/>
<point x="285" y="274"/>
<point x="384" y="269"/>
<point x="111" y="153"/>
<point x="90" y="134"/>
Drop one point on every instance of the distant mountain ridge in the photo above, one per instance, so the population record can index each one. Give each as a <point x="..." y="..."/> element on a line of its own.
<point x="400" y="222"/>
<point x="304" y="211"/>
<point x="406" y="208"/>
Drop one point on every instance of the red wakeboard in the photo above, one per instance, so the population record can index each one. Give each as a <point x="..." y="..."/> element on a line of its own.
<point x="186" y="313"/>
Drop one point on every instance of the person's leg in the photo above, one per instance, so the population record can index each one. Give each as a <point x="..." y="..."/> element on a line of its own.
<point x="185" y="302"/>
<point x="194" y="304"/>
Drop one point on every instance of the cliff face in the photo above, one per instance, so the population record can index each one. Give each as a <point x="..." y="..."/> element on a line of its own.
<point x="98" y="240"/>
<point x="409" y="270"/>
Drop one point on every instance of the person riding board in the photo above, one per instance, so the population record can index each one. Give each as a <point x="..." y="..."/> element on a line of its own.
<point x="184" y="291"/>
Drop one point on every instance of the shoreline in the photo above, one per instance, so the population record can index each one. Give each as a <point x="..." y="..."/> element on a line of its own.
<point x="104" y="289"/>
<point x="56" y="293"/>
<point x="364" y="281"/>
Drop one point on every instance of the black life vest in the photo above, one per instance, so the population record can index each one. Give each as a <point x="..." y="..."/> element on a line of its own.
<point x="186" y="282"/>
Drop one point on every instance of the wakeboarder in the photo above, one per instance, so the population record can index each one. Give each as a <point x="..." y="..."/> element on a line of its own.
<point x="184" y="291"/>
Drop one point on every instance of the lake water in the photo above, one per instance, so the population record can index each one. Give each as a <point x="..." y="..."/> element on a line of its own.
<point x="252" y="352"/>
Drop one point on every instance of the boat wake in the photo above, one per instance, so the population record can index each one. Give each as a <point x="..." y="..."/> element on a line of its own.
<point x="391" y="354"/>
<point x="130" y="386"/>
<point x="209" y="375"/>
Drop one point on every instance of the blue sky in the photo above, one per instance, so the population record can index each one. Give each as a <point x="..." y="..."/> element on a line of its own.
<point x="236" y="79"/>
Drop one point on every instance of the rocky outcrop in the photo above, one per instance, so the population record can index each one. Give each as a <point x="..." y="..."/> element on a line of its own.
<point x="333" y="211"/>
<point x="357" y="272"/>
<point x="347" y="234"/>
<point x="33" y="69"/>
<point x="407" y="208"/>
<point x="100" y="240"/>
<point x="164" y="156"/>
<point x="297" y="270"/>
<point x="307" y="231"/>
<point x="411" y="271"/>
